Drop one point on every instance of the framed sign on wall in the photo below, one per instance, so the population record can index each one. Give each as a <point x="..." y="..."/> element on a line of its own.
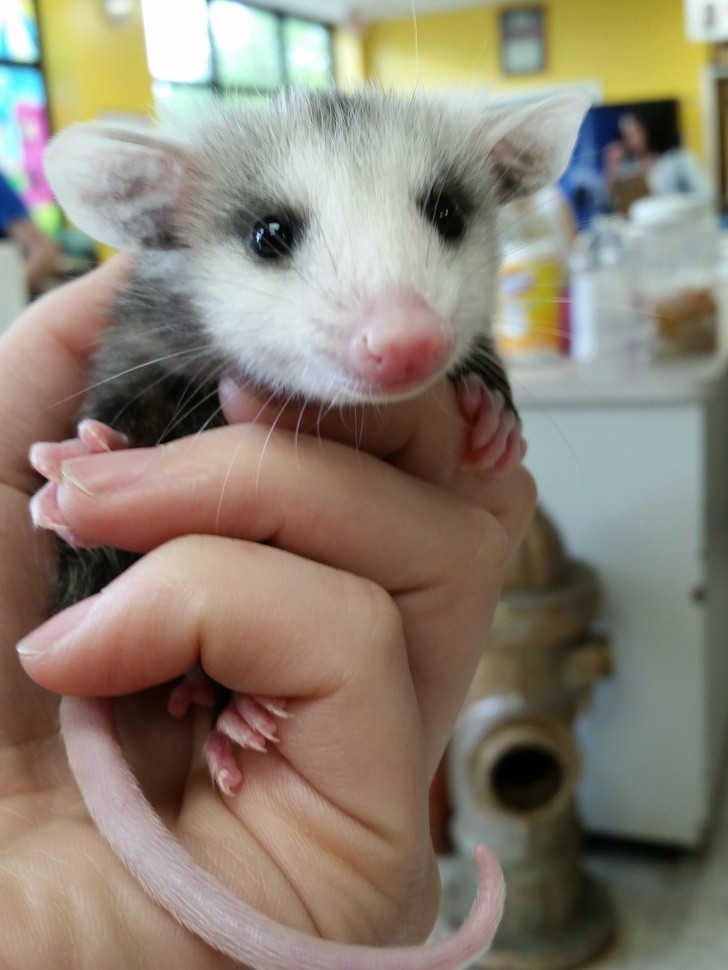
<point x="523" y="40"/>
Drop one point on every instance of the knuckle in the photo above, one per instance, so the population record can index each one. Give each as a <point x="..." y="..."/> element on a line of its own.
<point x="178" y="565"/>
<point x="378" y="618"/>
<point x="488" y="547"/>
<point x="379" y="609"/>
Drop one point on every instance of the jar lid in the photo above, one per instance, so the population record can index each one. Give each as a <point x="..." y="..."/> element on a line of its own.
<point x="543" y="248"/>
<point x="666" y="210"/>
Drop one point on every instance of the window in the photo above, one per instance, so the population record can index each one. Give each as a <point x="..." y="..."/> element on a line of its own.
<point x="229" y="47"/>
<point x="24" y="110"/>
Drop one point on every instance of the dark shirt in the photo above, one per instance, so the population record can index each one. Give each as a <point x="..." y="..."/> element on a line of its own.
<point x="12" y="207"/>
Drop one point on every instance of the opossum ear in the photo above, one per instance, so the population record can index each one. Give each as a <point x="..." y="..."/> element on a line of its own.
<point x="123" y="188"/>
<point x="530" y="145"/>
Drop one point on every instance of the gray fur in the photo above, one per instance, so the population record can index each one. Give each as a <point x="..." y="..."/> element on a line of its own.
<point x="192" y="193"/>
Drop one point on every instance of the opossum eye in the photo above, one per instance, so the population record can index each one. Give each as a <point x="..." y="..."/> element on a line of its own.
<point x="274" y="237"/>
<point x="445" y="212"/>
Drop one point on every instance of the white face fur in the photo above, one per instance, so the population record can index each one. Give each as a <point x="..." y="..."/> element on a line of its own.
<point x="354" y="180"/>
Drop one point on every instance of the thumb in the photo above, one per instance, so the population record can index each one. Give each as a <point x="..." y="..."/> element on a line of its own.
<point x="386" y="430"/>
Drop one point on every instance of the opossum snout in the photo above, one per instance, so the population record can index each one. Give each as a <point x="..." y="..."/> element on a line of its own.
<point x="398" y="342"/>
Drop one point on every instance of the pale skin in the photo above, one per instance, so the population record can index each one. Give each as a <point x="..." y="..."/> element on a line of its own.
<point x="365" y="609"/>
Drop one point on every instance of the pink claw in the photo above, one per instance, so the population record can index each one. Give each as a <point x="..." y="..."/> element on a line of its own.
<point x="223" y="768"/>
<point x="237" y="729"/>
<point x="495" y="444"/>
<point x="256" y="716"/>
<point x="277" y="706"/>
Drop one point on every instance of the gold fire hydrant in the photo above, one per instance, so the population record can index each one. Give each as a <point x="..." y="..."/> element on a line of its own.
<point x="514" y="763"/>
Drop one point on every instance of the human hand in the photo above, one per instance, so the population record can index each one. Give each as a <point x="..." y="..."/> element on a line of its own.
<point x="366" y="612"/>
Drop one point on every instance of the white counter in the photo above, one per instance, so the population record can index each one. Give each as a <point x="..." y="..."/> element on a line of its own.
<point x="565" y="382"/>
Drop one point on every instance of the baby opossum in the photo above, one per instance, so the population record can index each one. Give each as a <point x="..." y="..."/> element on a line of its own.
<point x="334" y="248"/>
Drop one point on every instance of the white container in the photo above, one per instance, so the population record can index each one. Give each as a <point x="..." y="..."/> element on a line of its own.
<point x="608" y="336"/>
<point x="668" y="210"/>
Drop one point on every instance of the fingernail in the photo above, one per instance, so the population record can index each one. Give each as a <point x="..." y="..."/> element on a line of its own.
<point x="69" y="476"/>
<point x="100" y="437"/>
<point x="106" y="472"/>
<point x="55" y="631"/>
<point x="44" y="511"/>
<point x="45" y="514"/>
<point x="41" y="459"/>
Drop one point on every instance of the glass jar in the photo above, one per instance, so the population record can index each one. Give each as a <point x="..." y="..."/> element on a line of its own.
<point x="673" y="260"/>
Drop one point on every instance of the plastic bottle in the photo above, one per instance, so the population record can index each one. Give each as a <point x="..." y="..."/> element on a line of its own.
<point x="532" y="312"/>
<point x="608" y="335"/>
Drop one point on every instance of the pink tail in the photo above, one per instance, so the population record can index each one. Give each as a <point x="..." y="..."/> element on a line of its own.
<point x="204" y="906"/>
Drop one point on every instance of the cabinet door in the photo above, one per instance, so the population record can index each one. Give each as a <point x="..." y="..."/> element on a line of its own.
<point x="625" y="485"/>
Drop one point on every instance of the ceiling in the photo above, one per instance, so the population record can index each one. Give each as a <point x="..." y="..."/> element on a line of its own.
<point x="339" y="11"/>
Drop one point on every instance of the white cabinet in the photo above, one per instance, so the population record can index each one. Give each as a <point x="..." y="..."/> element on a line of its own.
<point x="635" y="474"/>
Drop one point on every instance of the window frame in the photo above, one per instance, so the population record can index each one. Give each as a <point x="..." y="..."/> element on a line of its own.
<point x="53" y="221"/>
<point x="281" y="16"/>
<point x="38" y="63"/>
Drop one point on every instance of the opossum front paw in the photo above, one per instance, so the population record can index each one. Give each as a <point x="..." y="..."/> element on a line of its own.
<point x="495" y="443"/>
<point x="247" y="721"/>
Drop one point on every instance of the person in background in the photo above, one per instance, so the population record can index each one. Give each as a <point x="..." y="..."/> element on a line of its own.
<point x="666" y="168"/>
<point x="42" y="255"/>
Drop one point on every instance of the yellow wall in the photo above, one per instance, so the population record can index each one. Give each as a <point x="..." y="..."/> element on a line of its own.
<point x="91" y="65"/>
<point x="636" y="48"/>
<point x="349" y="52"/>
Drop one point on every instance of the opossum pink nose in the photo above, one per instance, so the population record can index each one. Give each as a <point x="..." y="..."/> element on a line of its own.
<point x="399" y="341"/>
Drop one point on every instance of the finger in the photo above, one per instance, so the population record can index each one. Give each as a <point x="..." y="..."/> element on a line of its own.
<point x="509" y="498"/>
<point x="26" y="712"/>
<point x="44" y="359"/>
<point x="312" y="498"/>
<point x="331" y="643"/>
<point x="426" y="433"/>
<point x="430" y="549"/>
<point x="425" y="436"/>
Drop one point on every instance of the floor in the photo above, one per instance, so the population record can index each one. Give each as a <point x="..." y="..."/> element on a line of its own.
<point x="672" y="907"/>
<point x="672" y="910"/>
